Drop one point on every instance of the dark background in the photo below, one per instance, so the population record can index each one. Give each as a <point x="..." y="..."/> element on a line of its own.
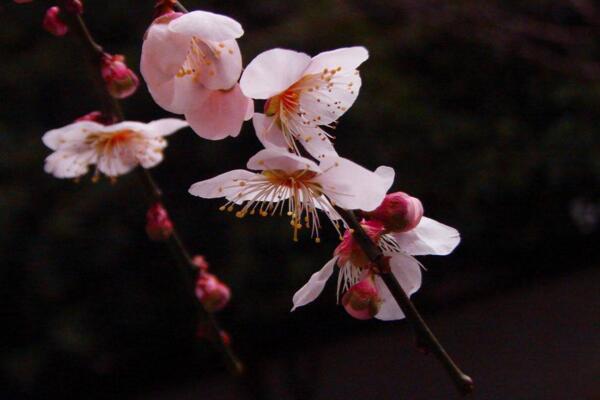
<point x="488" y="111"/>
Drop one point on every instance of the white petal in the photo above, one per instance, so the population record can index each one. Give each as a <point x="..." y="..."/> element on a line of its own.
<point x="207" y="26"/>
<point x="316" y="143"/>
<point x="76" y="131"/>
<point x="268" y="131"/>
<point x="428" y="238"/>
<point x="165" y="126"/>
<point x="224" y="185"/>
<point x="68" y="164"/>
<point x="277" y="158"/>
<point x="351" y="186"/>
<point x="348" y="58"/>
<point x="272" y="72"/>
<point x="313" y="288"/>
<point x="408" y="273"/>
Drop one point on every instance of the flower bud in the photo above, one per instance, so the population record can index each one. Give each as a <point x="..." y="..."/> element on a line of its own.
<point x="349" y="250"/>
<point x="121" y="82"/>
<point x="200" y="262"/>
<point x="211" y="292"/>
<point x="53" y="22"/>
<point x="158" y="224"/>
<point x="362" y="300"/>
<point x="73" y="6"/>
<point x="95" y="116"/>
<point x="398" y="212"/>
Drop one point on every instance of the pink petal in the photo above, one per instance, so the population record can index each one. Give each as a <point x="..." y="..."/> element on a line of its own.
<point x="268" y="131"/>
<point x="225" y="64"/>
<point x="272" y="72"/>
<point x="163" y="53"/>
<point x="220" y="115"/>
<point x="428" y="238"/>
<point x="277" y="158"/>
<point x="407" y="271"/>
<point x="177" y="95"/>
<point x="207" y="26"/>
<point x="313" y="288"/>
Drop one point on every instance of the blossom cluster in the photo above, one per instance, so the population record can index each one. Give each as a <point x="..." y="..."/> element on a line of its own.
<point x="192" y="65"/>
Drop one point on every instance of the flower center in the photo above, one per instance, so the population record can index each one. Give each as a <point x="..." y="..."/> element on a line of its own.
<point x="105" y="142"/>
<point x="269" y="192"/>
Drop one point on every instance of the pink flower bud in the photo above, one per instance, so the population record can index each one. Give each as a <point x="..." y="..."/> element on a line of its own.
<point x="163" y="7"/>
<point x="73" y="6"/>
<point x="362" y="300"/>
<point x="158" y="225"/>
<point x="211" y="292"/>
<point x="95" y="116"/>
<point x="121" y="82"/>
<point x="349" y="251"/>
<point x="53" y="23"/>
<point x="200" y="262"/>
<point x="398" y="212"/>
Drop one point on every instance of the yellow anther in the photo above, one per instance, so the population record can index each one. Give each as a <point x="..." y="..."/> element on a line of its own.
<point x="230" y="208"/>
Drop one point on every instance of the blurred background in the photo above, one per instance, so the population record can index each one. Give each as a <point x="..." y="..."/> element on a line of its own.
<point x="488" y="111"/>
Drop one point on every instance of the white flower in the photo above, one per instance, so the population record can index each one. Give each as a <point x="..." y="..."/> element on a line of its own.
<point x="300" y="183"/>
<point x="114" y="149"/>
<point x="429" y="237"/>
<point x="302" y="94"/>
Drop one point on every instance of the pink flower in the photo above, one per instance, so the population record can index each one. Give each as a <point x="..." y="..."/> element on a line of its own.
<point x="398" y="212"/>
<point x="191" y="63"/>
<point x="350" y="252"/>
<point x="302" y="94"/>
<point x="158" y="224"/>
<point x="305" y="186"/>
<point x="211" y="292"/>
<point x="121" y="82"/>
<point x="114" y="149"/>
<point x="53" y="22"/>
<point x="428" y="237"/>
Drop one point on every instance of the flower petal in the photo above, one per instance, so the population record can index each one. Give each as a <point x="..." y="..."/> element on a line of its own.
<point x="428" y="238"/>
<point x="313" y="288"/>
<point x="278" y="158"/>
<point x="407" y="271"/>
<point x="163" y="53"/>
<point x="207" y="26"/>
<point x="65" y="135"/>
<point x="69" y="164"/>
<point x="222" y="64"/>
<point x="268" y="131"/>
<point x="224" y="185"/>
<point x="351" y="186"/>
<point x="178" y="94"/>
<point x="165" y="127"/>
<point x="348" y="58"/>
<point x="220" y="115"/>
<point x="272" y="72"/>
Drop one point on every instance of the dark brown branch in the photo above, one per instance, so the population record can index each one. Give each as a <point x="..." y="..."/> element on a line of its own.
<point x="425" y="337"/>
<point x="187" y="268"/>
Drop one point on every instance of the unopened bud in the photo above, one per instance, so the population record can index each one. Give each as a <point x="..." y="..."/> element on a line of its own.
<point x="200" y="262"/>
<point x="95" y="116"/>
<point x="73" y="6"/>
<point x="212" y="293"/>
<point x="350" y="251"/>
<point x="398" y="212"/>
<point x="121" y="82"/>
<point x="53" y="23"/>
<point x="362" y="300"/>
<point x="158" y="224"/>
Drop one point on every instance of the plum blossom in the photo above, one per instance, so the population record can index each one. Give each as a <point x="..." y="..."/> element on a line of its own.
<point x="121" y="82"/>
<point x="299" y="187"/>
<point x="114" y="149"/>
<point x="191" y="63"/>
<point x="302" y="95"/>
<point x="428" y="237"/>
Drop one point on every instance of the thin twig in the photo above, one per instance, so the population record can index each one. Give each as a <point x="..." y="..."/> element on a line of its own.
<point x="187" y="268"/>
<point x="425" y="337"/>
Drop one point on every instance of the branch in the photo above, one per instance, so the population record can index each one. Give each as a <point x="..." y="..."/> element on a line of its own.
<point x="187" y="268"/>
<point x="425" y="338"/>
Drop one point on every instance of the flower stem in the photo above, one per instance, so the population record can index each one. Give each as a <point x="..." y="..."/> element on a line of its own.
<point x="187" y="268"/>
<point x="425" y="338"/>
